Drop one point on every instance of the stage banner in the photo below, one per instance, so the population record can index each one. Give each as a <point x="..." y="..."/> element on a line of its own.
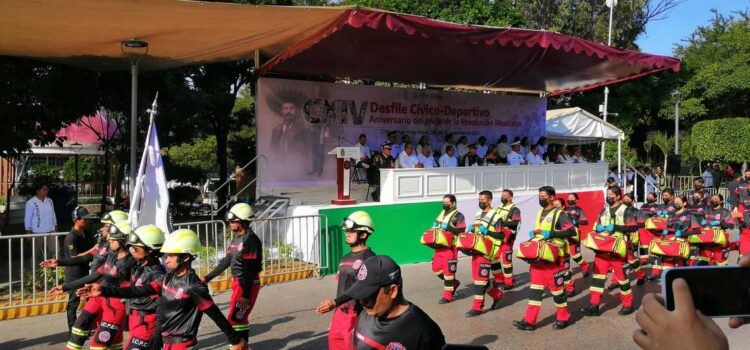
<point x="298" y="122"/>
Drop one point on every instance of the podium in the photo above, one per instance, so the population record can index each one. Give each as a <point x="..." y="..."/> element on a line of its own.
<point x="344" y="155"/>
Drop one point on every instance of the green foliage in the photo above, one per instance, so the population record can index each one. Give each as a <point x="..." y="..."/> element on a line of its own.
<point x="663" y="142"/>
<point x="89" y="169"/>
<point x="498" y="13"/>
<point x="39" y="174"/>
<point x="722" y="139"/>
<point x="53" y="277"/>
<point x="182" y="199"/>
<point x="200" y="154"/>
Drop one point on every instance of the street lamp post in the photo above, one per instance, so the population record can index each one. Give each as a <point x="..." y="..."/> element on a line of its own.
<point x="676" y="96"/>
<point x="611" y="4"/>
<point x="134" y="50"/>
<point x="77" y="149"/>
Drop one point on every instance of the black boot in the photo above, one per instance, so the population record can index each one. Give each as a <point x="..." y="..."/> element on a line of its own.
<point x="612" y="287"/>
<point x="444" y="301"/>
<point x="560" y="325"/>
<point x="473" y="313"/>
<point x="523" y="325"/>
<point x="652" y="278"/>
<point x="640" y="282"/>
<point x="591" y="310"/>
<point x="626" y="311"/>
<point x="496" y="304"/>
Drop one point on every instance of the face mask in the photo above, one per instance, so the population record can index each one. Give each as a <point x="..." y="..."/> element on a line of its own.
<point x="677" y="207"/>
<point x="504" y="201"/>
<point x="446" y="207"/>
<point x="610" y="200"/>
<point x="572" y="202"/>
<point x="543" y="202"/>
<point x="482" y="205"/>
<point x="628" y="203"/>
<point x="651" y="200"/>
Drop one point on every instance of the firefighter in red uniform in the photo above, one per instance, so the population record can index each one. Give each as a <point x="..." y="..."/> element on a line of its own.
<point x="617" y="219"/>
<point x="487" y="223"/>
<point x="717" y="217"/>
<point x="578" y="217"/>
<point x="358" y="227"/>
<point x="647" y="211"/>
<point x="554" y="226"/>
<point x="183" y="298"/>
<point x="664" y="211"/>
<point x="245" y="257"/>
<point x="742" y="213"/>
<point x="679" y="225"/>
<point x="510" y="215"/>
<point x="445" y="260"/>
<point x="633" y="263"/>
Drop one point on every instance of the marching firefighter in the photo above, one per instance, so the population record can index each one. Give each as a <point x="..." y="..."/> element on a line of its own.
<point x="487" y="221"/>
<point x="680" y="225"/>
<point x="183" y="298"/>
<point x="445" y="260"/>
<point x="245" y="257"/>
<point x="510" y="215"/>
<point x="647" y="211"/>
<point x="633" y="259"/>
<point x="742" y="213"/>
<point x="717" y="217"/>
<point x="578" y="217"/>
<point x="697" y="206"/>
<point x="114" y="272"/>
<point x="617" y="220"/>
<point x="664" y="211"/>
<point x="358" y="227"/>
<point x="554" y="227"/>
<point x="144" y="245"/>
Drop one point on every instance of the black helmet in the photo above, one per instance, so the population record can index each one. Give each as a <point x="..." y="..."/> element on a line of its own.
<point x="81" y="212"/>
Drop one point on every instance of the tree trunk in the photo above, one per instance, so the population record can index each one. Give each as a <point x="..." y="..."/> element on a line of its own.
<point x="221" y="155"/>
<point x="106" y="182"/>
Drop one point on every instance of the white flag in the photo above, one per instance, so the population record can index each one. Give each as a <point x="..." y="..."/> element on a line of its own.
<point x="150" y="198"/>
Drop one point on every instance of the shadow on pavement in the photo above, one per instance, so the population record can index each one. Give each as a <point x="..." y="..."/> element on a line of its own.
<point x="484" y="339"/>
<point x="48" y="340"/>
<point x="218" y="338"/>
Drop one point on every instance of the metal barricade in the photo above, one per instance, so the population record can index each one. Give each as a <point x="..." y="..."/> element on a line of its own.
<point x="293" y="244"/>
<point x="22" y="281"/>
<point x="214" y="238"/>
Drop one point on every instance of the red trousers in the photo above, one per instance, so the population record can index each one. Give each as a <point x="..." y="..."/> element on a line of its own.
<point x="141" y="326"/>
<point x="444" y="265"/>
<point x="86" y="321"/>
<point x="239" y="317"/>
<point x="744" y="241"/>
<point x="109" y="333"/>
<point x="634" y="264"/>
<point x="552" y="277"/>
<point x="341" y="331"/>
<point x="187" y="345"/>
<point x="714" y="255"/>
<point x="505" y="275"/>
<point x="602" y="264"/>
<point x="645" y="237"/>
<point x="480" y="270"/>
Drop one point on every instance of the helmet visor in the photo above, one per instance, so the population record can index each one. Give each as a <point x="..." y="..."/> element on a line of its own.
<point x="232" y="217"/>
<point x="350" y="225"/>
<point x="133" y="240"/>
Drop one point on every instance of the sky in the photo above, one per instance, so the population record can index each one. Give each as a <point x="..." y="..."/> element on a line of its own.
<point x="681" y="21"/>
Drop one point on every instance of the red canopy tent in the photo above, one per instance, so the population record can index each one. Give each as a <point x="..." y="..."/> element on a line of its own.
<point x="383" y="46"/>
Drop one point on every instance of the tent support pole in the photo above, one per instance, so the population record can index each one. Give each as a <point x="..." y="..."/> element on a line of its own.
<point x="619" y="156"/>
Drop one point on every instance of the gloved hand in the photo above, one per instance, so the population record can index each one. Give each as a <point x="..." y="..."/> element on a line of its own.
<point x="532" y="233"/>
<point x="599" y="228"/>
<point x="678" y="233"/>
<point x="575" y="223"/>
<point x="703" y="222"/>
<point x="483" y="230"/>
<point x="545" y="234"/>
<point x="434" y="224"/>
<point x="444" y="226"/>
<point x="610" y="228"/>
<point x="664" y="233"/>
<point x="714" y="223"/>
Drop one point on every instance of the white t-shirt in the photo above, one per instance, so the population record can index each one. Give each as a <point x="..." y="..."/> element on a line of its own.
<point x="428" y="162"/>
<point x="503" y="149"/>
<point x="708" y="179"/>
<point x="564" y="159"/>
<point x="364" y="151"/>
<point x="577" y="159"/>
<point x="40" y="215"/>
<point x="481" y="150"/>
<point x="447" y="161"/>
<point x="462" y="149"/>
<point x="533" y="159"/>
<point x="515" y="158"/>
<point x="407" y="161"/>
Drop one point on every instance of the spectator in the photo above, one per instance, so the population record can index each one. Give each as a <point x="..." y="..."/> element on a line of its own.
<point x="650" y="181"/>
<point x="395" y="147"/>
<point x="364" y="151"/>
<point x="578" y="155"/>
<point x="407" y="158"/>
<point x="717" y="175"/>
<point x="404" y="140"/>
<point x="515" y="157"/>
<point x="423" y="141"/>
<point x="482" y="146"/>
<point x="503" y="148"/>
<point x="542" y="142"/>
<point x="732" y="186"/>
<point x="630" y="180"/>
<point x="387" y="317"/>
<point x="533" y="157"/>
<point x="425" y="158"/>
<point x="661" y="181"/>
<point x="491" y="158"/>
<point x="448" y="142"/>
<point x="39" y="219"/>
<point x="525" y="147"/>
<point x="462" y="147"/>
<point x="729" y="172"/>
<point x="471" y="158"/>
<point x="708" y="178"/>
<point x="611" y="181"/>
<point x="563" y="157"/>
<point x="613" y="175"/>
<point x="448" y="159"/>
<point x="551" y="156"/>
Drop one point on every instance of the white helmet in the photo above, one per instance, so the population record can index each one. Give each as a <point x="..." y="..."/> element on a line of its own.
<point x="240" y="211"/>
<point x="359" y="221"/>
<point x="182" y="241"/>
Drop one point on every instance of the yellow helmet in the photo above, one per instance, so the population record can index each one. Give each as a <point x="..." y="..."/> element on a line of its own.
<point x="114" y="216"/>
<point x="119" y="231"/>
<point x="359" y="221"/>
<point x="240" y="211"/>
<point x="147" y="236"/>
<point x="182" y="241"/>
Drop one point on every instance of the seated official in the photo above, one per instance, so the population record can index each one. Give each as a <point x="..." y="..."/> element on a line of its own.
<point x="534" y="157"/>
<point x="563" y="157"/>
<point x="425" y="158"/>
<point x="492" y="158"/>
<point x="471" y="158"/>
<point x="515" y="157"/>
<point x="578" y="156"/>
<point x="383" y="160"/>
<point x="364" y="151"/>
<point x="408" y="158"/>
<point x="448" y="159"/>
<point x="482" y="147"/>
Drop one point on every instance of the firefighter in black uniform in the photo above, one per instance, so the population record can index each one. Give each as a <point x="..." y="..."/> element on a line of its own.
<point x="383" y="160"/>
<point x="245" y="256"/>
<point x="358" y="227"/>
<point x="183" y="298"/>
<point x="471" y="158"/>
<point x="388" y="320"/>
<point x="76" y="243"/>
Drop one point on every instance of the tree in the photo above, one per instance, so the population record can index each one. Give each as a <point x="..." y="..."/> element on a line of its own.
<point x="733" y="135"/>
<point x="88" y="169"/>
<point x="663" y="142"/>
<point x="498" y="13"/>
<point x="195" y="160"/>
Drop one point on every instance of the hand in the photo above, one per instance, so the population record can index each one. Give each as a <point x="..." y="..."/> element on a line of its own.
<point x="545" y="234"/>
<point x="55" y="291"/>
<point x="599" y="228"/>
<point x="89" y="291"/>
<point x="483" y="230"/>
<point x="531" y="234"/>
<point x="575" y="223"/>
<point x="444" y="226"/>
<point x="678" y="233"/>
<point x="204" y="280"/>
<point x="659" y="326"/>
<point x="714" y="223"/>
<point x="665" y="232"/>
<point x="50" y="263"/>
<point x="736" y="214"/>
<point x="703" y="222"/>
<point x="736" y="322"/>
<point x="325" y="306"/>
<point x="434" y="224"/>
<point x="610" y="228"/>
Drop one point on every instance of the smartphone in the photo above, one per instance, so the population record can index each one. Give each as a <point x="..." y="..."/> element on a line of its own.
<point x="718" y="291"/>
